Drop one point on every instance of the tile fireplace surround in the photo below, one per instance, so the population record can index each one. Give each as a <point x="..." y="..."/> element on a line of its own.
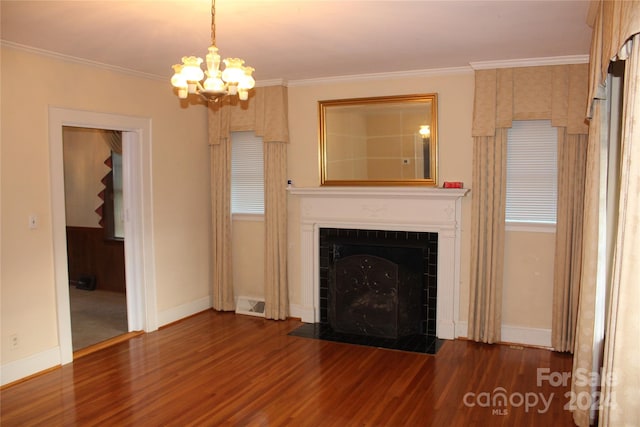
<point x="434" y="210"/>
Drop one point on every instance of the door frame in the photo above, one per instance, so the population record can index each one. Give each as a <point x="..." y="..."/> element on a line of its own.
<point x="137" y="195"/>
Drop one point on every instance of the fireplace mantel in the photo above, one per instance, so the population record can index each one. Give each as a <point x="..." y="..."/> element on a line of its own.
<point x="426" y="209"/>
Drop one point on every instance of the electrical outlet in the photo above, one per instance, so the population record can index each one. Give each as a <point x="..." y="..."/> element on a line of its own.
<point x="13" y="341"/>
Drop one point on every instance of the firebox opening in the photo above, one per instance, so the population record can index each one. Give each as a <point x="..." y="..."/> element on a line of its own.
<point x="376" y="290"/>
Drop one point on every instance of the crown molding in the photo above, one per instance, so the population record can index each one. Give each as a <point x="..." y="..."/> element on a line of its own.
<point x="480" y="65"/>
<point x="382" y="76"/>
<point x="272" y="82"/>
<point x="95" y="64"/>
<point x="530" y="62"/>
<point x="81" y="61"/>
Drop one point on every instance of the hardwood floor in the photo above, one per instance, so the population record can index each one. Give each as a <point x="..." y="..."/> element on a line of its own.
<point x="226" y="369"/>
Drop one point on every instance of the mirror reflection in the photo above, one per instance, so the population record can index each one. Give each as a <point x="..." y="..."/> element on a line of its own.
<point x="379" y="141"/>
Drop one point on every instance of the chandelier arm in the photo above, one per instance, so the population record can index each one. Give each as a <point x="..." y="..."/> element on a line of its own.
<point x="208" y="97"/>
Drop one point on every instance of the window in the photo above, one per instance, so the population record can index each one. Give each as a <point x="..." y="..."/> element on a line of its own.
<point x="247" y="173"/>
<point x="532" y="172"/>
<point x="118" y="206"/>
<point x="113" y="207"/>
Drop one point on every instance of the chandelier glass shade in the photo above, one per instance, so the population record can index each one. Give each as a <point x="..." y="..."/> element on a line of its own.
<point x="235" y="79"/>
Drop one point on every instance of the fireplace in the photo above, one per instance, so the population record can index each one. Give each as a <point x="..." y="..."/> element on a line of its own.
<point x="377" y="288"/>
<point x="378" y="283"/>
<point x="434" y="211"/>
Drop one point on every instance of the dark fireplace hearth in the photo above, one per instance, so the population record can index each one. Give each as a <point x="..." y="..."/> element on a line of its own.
<point x="377" y="288"/>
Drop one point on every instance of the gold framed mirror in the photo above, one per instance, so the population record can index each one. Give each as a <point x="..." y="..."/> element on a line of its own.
<point x="387" y="140"/>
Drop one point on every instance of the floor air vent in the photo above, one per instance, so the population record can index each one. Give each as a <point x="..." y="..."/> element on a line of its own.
<point x="250" y="306"/>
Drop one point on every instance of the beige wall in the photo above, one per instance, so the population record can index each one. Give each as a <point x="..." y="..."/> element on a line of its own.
<point x="248" y="258"/>
<point x="180" y="182"/>
<point x="528" y="279"/>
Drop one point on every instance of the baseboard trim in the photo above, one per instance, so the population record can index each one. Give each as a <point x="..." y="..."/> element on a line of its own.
<point x="528" y="336"/>
<point x="34" y="364"/>
<point x="461" y="329"/>
<point x="301" y="312"/>
<point x="185" y="310"/>
<point x="512" y="334"/>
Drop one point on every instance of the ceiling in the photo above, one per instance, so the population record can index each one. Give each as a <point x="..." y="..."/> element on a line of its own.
<point x="293" y="40"/>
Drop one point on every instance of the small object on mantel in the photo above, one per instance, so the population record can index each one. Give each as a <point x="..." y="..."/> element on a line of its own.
<point x="452" y="184"/>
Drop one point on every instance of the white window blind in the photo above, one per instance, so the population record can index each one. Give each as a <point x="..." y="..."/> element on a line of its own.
<point x="247" y="173"/>
<point x="532" y="172"/>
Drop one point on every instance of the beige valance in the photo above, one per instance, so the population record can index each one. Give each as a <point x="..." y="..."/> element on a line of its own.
<point x="265" y="113"/>
<point x="556" y="92"/>
<point x="613" y="23"/>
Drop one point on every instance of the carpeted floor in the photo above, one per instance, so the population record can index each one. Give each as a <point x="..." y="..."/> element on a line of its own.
<point x="96" y="316"/>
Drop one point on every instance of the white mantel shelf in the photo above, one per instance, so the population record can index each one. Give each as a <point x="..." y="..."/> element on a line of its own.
<point x="421" y="209"/>
<point x="393" y="192"/>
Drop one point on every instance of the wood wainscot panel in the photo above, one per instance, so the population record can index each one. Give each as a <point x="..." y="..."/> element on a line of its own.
<point x="90" y="255"/>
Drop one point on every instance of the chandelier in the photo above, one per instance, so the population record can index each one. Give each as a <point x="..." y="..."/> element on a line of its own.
<point x="235" y="79"/>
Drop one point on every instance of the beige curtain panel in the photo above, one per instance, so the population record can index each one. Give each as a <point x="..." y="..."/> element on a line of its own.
<point x="222" y="274"/>
<point x="623" y="326"/>
<point x="558" y="93"/>
<point x="275" y="218"/>
<point x="572" y="159"/>
<point x="487" y="237"/>
<point x="614" y="23"/>
<point x="585" y="322"/>
<point x="267" y="115"/>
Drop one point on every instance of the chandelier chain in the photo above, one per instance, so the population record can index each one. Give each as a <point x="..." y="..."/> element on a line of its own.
<point x="213" y="23"/>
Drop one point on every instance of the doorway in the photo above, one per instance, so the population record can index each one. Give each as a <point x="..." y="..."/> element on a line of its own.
<point x="95" y="234"/>
<point x="138" y="247"/>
